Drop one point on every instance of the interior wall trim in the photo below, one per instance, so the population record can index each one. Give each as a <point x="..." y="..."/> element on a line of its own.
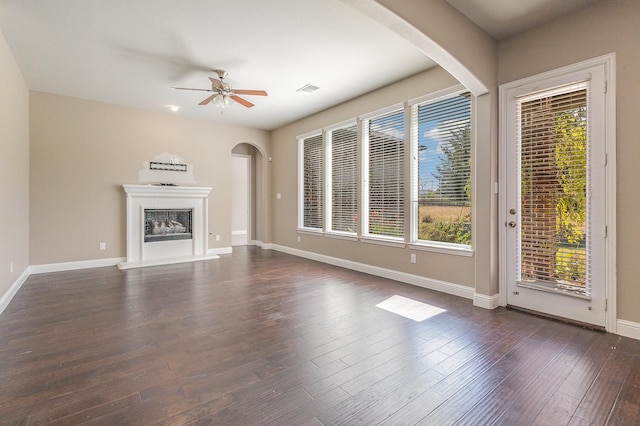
<point x="13" y="290"/>
<point x="628" y="329"/>
<point x="417" y="280"/>
<point x="220" y="250"/>
<point x="70" y="266"/>
<point x="486" y="302"/>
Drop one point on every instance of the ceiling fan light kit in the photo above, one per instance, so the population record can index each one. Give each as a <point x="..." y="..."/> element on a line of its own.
<point x="223" y="94"/>
<point x="222" y="101"/>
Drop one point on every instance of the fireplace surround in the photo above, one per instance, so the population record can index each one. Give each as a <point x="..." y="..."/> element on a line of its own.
<point x="166" y="224"/>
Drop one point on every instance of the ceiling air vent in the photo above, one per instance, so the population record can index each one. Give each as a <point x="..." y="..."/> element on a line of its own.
<point x="307" y="89"/>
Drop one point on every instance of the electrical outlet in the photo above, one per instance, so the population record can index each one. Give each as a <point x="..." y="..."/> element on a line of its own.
<point x="279" y="196"/>
<point x="413" y="258"/>
<point x="299" y="239"/>
<point x="103" y="246"/>
<point x="10" y="266"/>
<point x="217" y="237"/>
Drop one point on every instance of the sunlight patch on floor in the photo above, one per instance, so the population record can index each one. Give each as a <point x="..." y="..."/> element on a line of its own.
<point x="410" y="308"/>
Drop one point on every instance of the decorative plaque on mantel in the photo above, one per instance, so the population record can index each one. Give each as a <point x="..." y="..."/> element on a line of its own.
<point x="167" y="169"/>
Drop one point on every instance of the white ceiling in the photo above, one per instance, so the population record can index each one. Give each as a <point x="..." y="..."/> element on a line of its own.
<point x="131" y="52"/>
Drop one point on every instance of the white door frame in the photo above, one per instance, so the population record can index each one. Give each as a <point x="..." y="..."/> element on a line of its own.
<point x="608" y="61"/>
<point x="249" y="190"/>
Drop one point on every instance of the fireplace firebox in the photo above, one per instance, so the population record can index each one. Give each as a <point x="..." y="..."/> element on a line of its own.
<point x="167" y="224"/>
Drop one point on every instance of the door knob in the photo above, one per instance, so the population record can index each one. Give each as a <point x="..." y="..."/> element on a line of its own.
<point x="512" y="224"/>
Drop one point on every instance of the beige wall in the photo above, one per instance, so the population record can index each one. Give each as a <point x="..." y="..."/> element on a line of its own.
<point x="463" y="41"/>
<point x="471" y="56"/>
<point x="14" y="172"/>
<point x="450" y="268"/>
<point x="83" y="151"/>
<point x="607" y="26"/>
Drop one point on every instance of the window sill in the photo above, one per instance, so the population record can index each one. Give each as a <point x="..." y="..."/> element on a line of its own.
<point x="310" y="231"/>
<point x="395" y="242"/>
<point x="342" y="236"/>
<point x="443" y="248"/>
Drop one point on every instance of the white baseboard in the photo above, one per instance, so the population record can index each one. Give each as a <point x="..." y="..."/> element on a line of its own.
<point x="8" y="295"/>
<point x="623" y="328"/>
<point x="220" y="250"/>
<point x="239" y="238"/>
<point x="166" y="261"/>
<point x="486" y="302"/>
<point x="442" y="286"/>
<point x="70" y="266"/>
<point x="264" y="246"/>
<point x="628" y="329"/>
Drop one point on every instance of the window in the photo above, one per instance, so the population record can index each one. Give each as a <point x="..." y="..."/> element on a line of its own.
<point x="311" y="183"/>
<point x="442" y="184"/>
<point x="384" y="139"/>
<point x="353" y="181"/>
<point x="343" y="168"/>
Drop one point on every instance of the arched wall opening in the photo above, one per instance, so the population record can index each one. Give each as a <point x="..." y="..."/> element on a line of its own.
<point x="254" y="190"/>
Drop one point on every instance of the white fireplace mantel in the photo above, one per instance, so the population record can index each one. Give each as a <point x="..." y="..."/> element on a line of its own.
<point x="141" y="197"/>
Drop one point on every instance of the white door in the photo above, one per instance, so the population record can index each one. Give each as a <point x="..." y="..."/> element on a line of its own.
<point x="553" y="194"/>
<point x="240" y="190"/>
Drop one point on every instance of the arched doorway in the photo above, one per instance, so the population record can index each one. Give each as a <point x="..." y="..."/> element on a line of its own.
<point x="246" y="185"/>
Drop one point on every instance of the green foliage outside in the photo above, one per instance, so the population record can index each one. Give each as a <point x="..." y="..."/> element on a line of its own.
<point x="385" y="229"/>
<point x="454" y="189"/>
<point x="455" y="230"/>
<point x="454" y="171"/>
<point x="571" y="265"/>
<point x="571" y="203"/>
<point x="571" y="161"/>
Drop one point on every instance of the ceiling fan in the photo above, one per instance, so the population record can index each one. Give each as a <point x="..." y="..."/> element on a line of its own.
<point x="223" y="94"/>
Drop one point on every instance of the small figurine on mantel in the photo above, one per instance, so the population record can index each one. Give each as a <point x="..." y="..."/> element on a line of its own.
<point x="166" y="170"/>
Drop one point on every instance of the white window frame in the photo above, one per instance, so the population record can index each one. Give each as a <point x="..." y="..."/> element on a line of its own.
<point x="328" y="173"/>
<point x="437" y="246"/>
<point x="410" y="165"/>
<point x="365" y="236"/>
<point x="301" y="182"/>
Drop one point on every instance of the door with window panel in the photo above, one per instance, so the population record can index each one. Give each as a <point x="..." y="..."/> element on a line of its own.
<point x="555" y="219"/>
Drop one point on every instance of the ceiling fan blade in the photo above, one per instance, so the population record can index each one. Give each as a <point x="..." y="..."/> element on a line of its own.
<point x="209" y="99"/>
<point x="250" y="92"/>
<point x="216" y="83"/>
<point x="188" y="88"/>
<point x="241" y="101"/>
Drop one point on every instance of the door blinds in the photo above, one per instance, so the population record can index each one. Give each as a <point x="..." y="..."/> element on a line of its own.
<point x="553" y="151"/>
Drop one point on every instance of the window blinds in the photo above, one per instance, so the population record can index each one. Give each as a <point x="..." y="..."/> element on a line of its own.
<point x="313" y="194"/>
<point x="444" y="169"/>
<point x="344" y="178"/>
<point x="553" y="233"/>
<point x="386" y="174"/>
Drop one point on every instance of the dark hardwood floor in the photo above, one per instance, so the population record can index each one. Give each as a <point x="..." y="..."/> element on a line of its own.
<point x="261" y="337"/>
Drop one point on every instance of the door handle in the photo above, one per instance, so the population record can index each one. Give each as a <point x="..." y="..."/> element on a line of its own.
<point x="512" y="224"/>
